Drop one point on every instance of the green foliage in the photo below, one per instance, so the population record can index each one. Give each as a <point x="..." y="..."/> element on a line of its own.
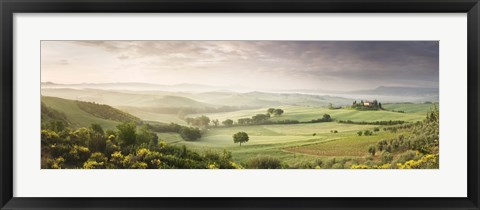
<point x="127" y="133"/>
<point x="278" y="112"/>
<point x="367" y="105"/>
<point x="240" y="137"/>
<point x="367" y="133"/>
<point x="264" y="162"/>
<point x="52" y="119"/>
<point x="406" y="156"/>
<point x="325" y="118"/>
<point x="390" y="122"/>
<point x="244" y="121"/>
<point x="190" y="134"/>
<point x="146" y="136"/>
<point x="386" y="157"/>
<point x="260" y="118"/>
<point x="372" y="150"/>
<point x="187" y="133"/>
<point x="359" y="133"/>
<point x="418" y="150"/>
<point x="69" y="150"/>
<point x="228" y="122"/>
<point x="201" y="121"/>
<point x="216" y="122"/>
<point x="271" y="111"/>
<point x="97" y="141"/>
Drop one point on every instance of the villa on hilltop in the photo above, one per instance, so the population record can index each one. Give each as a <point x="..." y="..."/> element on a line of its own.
<point x="367" y="105"/>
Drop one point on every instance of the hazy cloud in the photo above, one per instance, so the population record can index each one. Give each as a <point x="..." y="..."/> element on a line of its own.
<point x="343" y="65"/>
<point x="63" y="62"/>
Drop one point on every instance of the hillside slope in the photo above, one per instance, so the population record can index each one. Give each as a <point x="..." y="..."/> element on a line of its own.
<point x="80" y="114"/>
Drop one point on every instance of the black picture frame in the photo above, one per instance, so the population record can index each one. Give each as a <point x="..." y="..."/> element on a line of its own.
<point x="10" y="7"/>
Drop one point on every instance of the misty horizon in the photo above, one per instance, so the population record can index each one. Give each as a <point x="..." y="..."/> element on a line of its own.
<point x="226" y="87"/>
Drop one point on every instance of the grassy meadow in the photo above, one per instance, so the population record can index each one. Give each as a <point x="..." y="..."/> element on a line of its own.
<point x="301" y="144"/>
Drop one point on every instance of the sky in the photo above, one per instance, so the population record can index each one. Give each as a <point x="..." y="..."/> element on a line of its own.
<point x="264" y="65"/>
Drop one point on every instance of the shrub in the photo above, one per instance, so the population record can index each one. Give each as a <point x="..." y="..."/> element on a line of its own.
<point x="264" y="162"/>
<point x="190" y="134"/>
<point x="406" y="156"/>
<point x="337" y="166"/>
<point x="386" y="157"/>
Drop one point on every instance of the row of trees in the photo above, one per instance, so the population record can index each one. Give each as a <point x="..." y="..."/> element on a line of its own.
<point x="325" y="118"/>
<point x="275" y="112"/>
<point x="204" y="121"/>
<point x="201" y="121"/>
<point x="187" y="133"/>
<point x="389" y="122"/>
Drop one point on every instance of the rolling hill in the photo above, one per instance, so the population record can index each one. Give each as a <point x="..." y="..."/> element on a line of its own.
<point x="156" y="99"/>
<point x="83" y="114"/>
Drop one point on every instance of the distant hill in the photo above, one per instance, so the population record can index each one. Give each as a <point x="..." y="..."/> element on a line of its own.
<point x="399" y="91"/>
<point x="125" y="98"/>
<point x="184" y="87"/>
<point x="162" y="99"/>
<point x="82" y="114"/>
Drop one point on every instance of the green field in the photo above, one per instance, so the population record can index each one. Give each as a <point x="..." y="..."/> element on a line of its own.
<point x="280" y="140"/>
<point x="410" y="108"/>
<point x="290" y="143"/>
<point x="75" y="115"/>
<point x="304" y="114"/>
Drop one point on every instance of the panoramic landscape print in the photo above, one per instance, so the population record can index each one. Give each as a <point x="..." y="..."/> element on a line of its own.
<point x="239" y="105"/>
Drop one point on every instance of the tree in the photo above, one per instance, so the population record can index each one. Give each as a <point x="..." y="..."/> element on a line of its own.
<point x="327" y="118"/>
<point x="359" y="133"/>
<point x="376" y="129"/>
<point x="271" y="111"/>
<point x="278" y="112"/>
<point x="244" y="121"/>
<point x="386" y="157"/>
<point x="228" y="122"/>
<point x="189" y="120"/>
<point x="259" y="118"/>
<point x="372" y="150"/>
<point x="240" y="137"/>
<point x="203" y="121"/>
<point x="145" y="136"/>
<point x="215" y="122"/>
<point x="97" y="141"/>
<point x="127" y="133"/>
<point x="190" y="134"/>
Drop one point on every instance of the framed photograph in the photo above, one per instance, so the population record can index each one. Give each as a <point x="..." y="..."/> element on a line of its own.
<point x="239" y="105"/>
